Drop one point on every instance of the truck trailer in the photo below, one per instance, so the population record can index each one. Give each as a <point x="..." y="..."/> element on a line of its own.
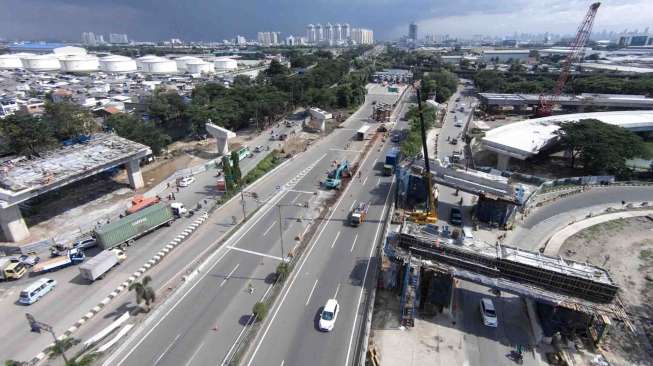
<point x="129" y="228"/>
<point x="359" y="214"/>
<point x="391" y="160"/>
<point x="99" y="265"/>
<point x="72" y="256"/>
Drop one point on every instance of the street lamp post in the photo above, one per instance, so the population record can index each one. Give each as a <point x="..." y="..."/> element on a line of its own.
<point x="279" y="205"/>
<point x="36" y="326"/>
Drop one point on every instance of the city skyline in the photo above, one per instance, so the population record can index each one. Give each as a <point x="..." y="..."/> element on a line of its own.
<point x="209" y="21"/>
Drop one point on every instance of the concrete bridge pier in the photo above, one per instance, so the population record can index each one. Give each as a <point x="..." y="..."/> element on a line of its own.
<point x="134" y="174"/>
<point x="222" y="136"/>
<point x="503" y="161"/>
<point x="12" y="224"/>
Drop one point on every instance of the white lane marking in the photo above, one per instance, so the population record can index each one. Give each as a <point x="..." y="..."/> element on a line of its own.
<point x="378" y="182"/>
<point x="282" y="361"/>
<point x="352" y="205"/>
<point x="335" y="239"/>
<point x="229" y="275"/>
<point x="167" y="349"/>
<point x="255" y="253"/>
<point x="194" y="354"/>
<point x="270" y="228"/>
<point x="356" y="151"/>
<point x="296" y="198"/>
<point x="365" y="180"/>
<point x="354" y="243"/>
<point x="375" y="161"/>
<point x="311" y="293"/>
<point x="299" y="269"/>
<point x="298" y="191"/>
<point x="335" y="296"/>
<point x="367" y="268"/>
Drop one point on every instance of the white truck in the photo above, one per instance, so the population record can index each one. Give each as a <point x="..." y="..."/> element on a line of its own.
<point x="99" y="265"/>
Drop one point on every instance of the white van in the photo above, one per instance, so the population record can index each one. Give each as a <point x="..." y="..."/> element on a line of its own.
<point x="36" y="290"/>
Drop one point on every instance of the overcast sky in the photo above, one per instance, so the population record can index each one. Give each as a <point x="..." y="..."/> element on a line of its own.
<point x="223" y="19"/>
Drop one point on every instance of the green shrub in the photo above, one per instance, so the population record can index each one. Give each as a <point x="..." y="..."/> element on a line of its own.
<point x="260" y="310"/>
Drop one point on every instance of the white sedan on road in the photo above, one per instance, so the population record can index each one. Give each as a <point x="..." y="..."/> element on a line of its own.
<point x="489" y="313"/>
<point x="329" y="315"/>
<point x="186" y="181"/>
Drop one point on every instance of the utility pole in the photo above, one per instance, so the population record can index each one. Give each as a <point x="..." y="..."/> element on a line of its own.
<point x="242" y="202"/>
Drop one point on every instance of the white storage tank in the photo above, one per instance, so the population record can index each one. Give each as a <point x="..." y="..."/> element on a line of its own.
<point x="117" y="63"/>
<point x="225" y="64"/>
<point x="140" y="62"/>
<point x="183" y="60"/>
<point x="47" y="62"/>
<point x="159" y="65"/>
<point x="69" y="50"/>
<point x="79" y="63"/>
<point x="200" y="67"/>
<point x="12" y="61"/>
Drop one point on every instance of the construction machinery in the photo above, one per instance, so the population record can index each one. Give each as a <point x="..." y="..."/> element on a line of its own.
<point x="359" y="214"/>
<point x="575" y="56"/>
<point x="430" y="215"/>
<point x="334" y="179"/>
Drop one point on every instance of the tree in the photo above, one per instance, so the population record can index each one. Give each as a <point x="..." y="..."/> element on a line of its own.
<point x="85" y="360"/>
<point x="168" y="110"/>
<point x="242" y="80"/>
<point x="276" y="69"/>
<point x="283" y="270"/>
<point x="600" y="147"/>
<point x="69" y="120"/>
<point x="235" y="167"/>
<point x="228" y="175"/>
<point x="136" y="129"/>
<point x="27" y="135"/>
<point x="260" y="310"/>
<point x="60" y="346"/>
<point x="15" y="363"/>
<point x="144" y="293"/>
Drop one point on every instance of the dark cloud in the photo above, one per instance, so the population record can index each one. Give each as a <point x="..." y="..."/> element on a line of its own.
<point x="223" y="19"/>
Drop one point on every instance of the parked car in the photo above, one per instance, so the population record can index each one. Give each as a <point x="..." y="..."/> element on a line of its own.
<point x="454" y="141"/>
<point x="27" y="260"/>
<point x="458" y="124"/>
<point x="258" y="149"/>
<point x="85" y="243"/>
<point x="186" y="181"/>
<point x="455" y="218"/>
<point x="489" y="313"/>
<point x="329" y="315"/>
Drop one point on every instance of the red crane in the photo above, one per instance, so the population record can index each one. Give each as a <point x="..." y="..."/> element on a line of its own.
<point x="547" y="102"/>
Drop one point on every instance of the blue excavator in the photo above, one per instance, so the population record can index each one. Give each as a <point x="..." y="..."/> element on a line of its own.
<point x="334" y="178"/>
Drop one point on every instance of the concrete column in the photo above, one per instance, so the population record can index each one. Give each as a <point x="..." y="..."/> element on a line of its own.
<point x="503" y="161"/>
<point x="223" y="146"/>
<point x="12" y="224"/>
<point x="134" y="174"/>
<point x="222" y="136"/>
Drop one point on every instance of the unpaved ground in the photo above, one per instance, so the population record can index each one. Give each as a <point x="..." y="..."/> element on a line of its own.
<point x="625" y="248"/>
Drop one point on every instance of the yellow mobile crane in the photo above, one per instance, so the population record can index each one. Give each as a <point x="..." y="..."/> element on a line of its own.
<point x="430" y="216"/>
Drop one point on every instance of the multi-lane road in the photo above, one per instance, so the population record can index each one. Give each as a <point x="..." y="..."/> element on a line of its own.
<point x="204" y="322"/>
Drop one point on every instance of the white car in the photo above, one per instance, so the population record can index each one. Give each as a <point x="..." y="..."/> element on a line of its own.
<point x="488" y="313"/>
<point x="186" y="181"/>
<point x="329" y="315"/>
<point x="458" y="124"/>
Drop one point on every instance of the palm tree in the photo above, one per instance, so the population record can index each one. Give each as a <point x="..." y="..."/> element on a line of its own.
<point x="86" y="360"/>
<point x="15" y="363"/>
<point x="143" y="291"/>
<point x="60" y="346"/>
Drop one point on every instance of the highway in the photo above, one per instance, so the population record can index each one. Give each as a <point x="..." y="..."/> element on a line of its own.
<point x="73" y="296"/>
<point x="208" y="317"/>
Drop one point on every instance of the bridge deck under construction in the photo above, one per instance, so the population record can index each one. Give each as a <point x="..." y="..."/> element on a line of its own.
<point x="551" y="274"/>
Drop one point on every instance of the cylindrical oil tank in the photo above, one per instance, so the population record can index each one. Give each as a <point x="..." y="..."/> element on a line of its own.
<point x="79" y="63"/>
<point x="225" y="64"/>
<point x="12" y="61"/>
<point x="183" y="60"/>
<point x="140" y="62"/>
<point x="117" y="63"/>
<point x="68" y="51"/>
<point x="159" y="65"/>
<point x="199" y="67"/>
<point x="47" y="62"/>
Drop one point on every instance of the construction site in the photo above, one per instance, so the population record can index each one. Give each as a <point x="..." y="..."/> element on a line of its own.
<point x="22" y="178"/>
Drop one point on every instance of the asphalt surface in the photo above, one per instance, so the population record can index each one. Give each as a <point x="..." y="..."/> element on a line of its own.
<point x="203" y="325"/>
<point x="74" y="296"/>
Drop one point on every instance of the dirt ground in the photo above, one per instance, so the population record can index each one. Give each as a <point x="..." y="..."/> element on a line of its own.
<point x="625" y="248"/>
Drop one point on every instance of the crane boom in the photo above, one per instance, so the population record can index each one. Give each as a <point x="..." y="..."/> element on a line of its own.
<point x="576" y="55"/>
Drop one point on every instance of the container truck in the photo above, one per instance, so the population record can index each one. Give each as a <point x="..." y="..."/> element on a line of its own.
<point x="96" y="267"/>
<point x="358" y="214"/>
<point x="72" y="256"/>
<point x="128" y="228"/>
<point x="360" y="134"/>
<point x="140" y="202"/>
<point x="391" y="160"/>
<point x="11" y="270"/>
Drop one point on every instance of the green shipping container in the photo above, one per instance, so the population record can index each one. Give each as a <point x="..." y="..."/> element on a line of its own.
<point x="133" y="226"/>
